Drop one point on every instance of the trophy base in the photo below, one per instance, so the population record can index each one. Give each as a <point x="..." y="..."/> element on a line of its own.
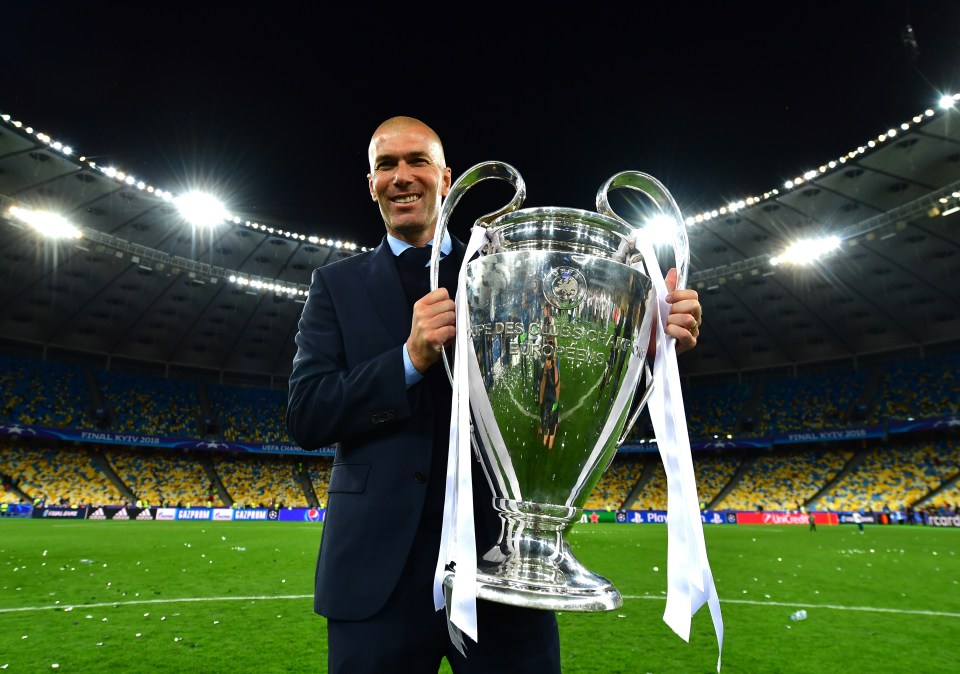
<point x="591" y="594"/>
<point x="533" y="567"/>
<point x="602" y="596"/>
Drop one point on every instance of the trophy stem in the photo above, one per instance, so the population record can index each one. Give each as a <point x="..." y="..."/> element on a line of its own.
<point x="532" y="565"/>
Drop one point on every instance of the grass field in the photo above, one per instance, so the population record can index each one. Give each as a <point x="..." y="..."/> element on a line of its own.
<point x="119" y="597"/>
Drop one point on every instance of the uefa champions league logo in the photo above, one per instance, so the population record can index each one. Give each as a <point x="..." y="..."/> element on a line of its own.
<point x="16" y="429"/>
<point x="565" y="287"/>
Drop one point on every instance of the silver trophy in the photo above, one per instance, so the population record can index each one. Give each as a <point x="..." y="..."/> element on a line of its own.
<point x="560" y="313"/>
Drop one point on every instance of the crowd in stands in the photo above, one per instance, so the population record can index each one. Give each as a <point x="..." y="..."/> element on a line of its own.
<point x="840" y="477"/>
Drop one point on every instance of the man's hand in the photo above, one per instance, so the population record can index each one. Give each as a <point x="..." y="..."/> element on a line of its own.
<point x="686" y="315"/>
<point x="434" y="326"/>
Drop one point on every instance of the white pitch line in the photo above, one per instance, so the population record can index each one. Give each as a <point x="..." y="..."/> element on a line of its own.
<point x="867" y="609"/>
<point x="113" y="604"/>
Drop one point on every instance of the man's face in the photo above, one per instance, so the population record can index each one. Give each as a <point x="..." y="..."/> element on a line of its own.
<point x="408" y="181"/>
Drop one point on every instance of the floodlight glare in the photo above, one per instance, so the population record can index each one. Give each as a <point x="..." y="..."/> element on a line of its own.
<point x="201" y="209"/>
<point x="48" y="224"/>
<point x="946" y="101"/>
<point x="661" y="229"/>
<point x="807" y="251"/>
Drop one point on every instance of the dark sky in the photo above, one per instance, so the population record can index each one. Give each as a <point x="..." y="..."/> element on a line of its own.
<point x="274" y="103"/>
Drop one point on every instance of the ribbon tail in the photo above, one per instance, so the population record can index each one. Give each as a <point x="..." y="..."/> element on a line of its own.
<point x="690" y="581"/>
<point x="456" y="634"/>
<point x="461" y="545"/>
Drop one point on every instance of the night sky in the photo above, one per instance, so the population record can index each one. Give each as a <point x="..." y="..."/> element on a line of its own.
<point x="272" y="105"/>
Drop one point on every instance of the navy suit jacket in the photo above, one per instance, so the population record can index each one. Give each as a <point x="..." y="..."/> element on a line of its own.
<point x="347" y="386"/>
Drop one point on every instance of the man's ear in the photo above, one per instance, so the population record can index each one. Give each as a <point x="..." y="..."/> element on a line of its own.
<point x="373" y="195"/>
<point x="447" y="181"/>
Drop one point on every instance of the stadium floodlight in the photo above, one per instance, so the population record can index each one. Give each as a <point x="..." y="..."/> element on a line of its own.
<point x="47" y="223"/>
<point x="201" y="209"/>
<point x="946" y="101"/>
<point x="807" y="251"/>
<point x="661" y="229"/>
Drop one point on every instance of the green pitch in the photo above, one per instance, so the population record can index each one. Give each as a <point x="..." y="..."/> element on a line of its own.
<point x="121" y="597"/>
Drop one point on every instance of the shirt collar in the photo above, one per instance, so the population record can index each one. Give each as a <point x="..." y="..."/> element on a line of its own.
<point x="397" y="246"/>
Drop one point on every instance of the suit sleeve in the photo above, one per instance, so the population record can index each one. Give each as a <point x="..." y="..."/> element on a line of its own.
<point x="347" y="379"/>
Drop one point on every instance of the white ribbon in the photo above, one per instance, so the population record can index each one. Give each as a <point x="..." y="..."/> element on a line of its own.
<point x="689" y="578"/>
<point x="457" y="540"/>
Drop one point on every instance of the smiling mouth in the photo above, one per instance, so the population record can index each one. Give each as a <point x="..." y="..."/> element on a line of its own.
<point x="406" y="200"/>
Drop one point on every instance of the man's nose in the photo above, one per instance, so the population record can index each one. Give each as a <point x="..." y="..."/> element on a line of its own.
<point x="403" y="174"/>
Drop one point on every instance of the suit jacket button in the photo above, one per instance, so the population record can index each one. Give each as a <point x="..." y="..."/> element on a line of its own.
<point x="418" y="476"/>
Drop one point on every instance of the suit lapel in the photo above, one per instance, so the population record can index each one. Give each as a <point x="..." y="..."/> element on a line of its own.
<point x="382" y="281"/>
<point x="459" y="250"/>
<point x="383" y="284"/>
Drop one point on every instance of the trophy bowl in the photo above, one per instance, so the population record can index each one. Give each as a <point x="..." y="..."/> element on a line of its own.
<point x="560" y="313"/>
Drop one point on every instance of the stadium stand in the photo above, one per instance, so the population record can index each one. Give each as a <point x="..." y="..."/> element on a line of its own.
<point x="783" y="481"/>
<point x="714" y="408"/>
<point x="894" y="477"/>
<point x="714" y="472"/>
<point x="900" y="472"/>
<point x="916" y="388"/>
<point x="319" y="472"/>
<point x="812" y="401"/>
<point x="150" y="405"/>
<point x="248" y="414"/>
<point x="63" y="475"/>
<point x="652" y="490"/>
<point x="161" y="477"/>
<point x="42" y="393"/>
<point x="261" y="480"/>
<point x="615" y="484"/>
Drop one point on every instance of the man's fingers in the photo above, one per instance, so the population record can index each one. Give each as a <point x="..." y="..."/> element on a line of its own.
<point x="671" y="280"/>
<point x="434" y="325"/>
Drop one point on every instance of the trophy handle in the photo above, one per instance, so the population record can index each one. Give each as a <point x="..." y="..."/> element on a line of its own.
<point x="477" y="173"/>
<point x="655" y="190"/>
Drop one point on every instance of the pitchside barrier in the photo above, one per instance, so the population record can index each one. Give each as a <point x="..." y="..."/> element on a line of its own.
<point x="316" y="515"/>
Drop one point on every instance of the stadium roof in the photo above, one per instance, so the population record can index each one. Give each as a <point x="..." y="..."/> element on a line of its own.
<point x="143" y="284"/>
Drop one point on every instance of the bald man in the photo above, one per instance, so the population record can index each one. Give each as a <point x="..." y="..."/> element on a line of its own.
<point x="366" y="376"/>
